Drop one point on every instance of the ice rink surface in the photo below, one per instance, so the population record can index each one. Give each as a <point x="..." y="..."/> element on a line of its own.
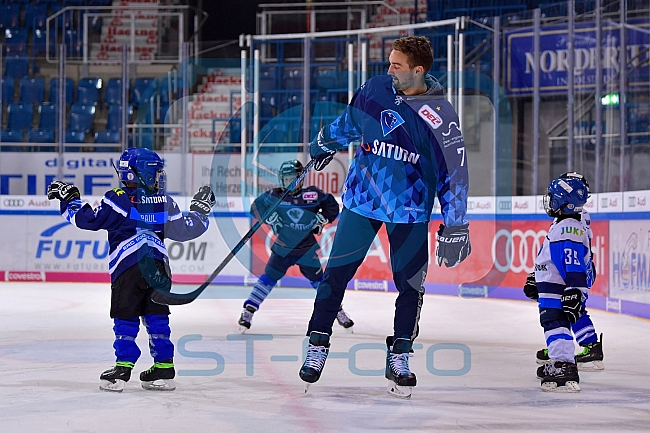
<point x="475" y="368"/>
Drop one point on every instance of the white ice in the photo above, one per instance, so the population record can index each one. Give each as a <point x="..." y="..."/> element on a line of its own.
<point x="57" y="338"/>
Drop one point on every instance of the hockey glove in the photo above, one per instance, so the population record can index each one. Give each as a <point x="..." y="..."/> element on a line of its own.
<point x="63" y="191"/>
<point x="319" y="224"/>
<point x="453" y="245"/>
<point x="203" y="201"/>
<point x="530" y="288"/>
<point x="573" y="303"/>
<point x="319" y="151"/>
<point x="275" y="222"/>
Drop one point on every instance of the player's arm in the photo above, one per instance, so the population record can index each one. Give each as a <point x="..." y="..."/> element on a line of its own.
<point x="108" y="215"/>
<point x="329" y="208"/>
<point x="568" y="257"/>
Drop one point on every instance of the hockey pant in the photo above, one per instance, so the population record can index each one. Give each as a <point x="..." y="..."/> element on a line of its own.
<point x="276" y="268"/>
<point x="355" y="235"/>
<point x="126" y="331"/>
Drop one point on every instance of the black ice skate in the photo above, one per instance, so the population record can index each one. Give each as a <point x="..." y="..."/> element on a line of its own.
<point x="401" y="380"/>
<point x="116" y="377"/>
<point x="560" y="377"/>
<point x="591" y="357"/>
<point x="319" y="347"/>
<point x="542" y="357"/>
<point x="344" y="320"/>
<point x="246" y="318"/>
<point x="159" y="376"/>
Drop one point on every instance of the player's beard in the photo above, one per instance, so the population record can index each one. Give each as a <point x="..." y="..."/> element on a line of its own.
<point x="406" y="81"/>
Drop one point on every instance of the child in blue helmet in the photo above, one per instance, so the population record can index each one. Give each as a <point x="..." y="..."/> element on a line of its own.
<point x="138" y="217"/>
<point x="561" y="276"/>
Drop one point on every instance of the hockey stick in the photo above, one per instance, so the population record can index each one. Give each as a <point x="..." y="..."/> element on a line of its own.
<point x="168" y="298"/>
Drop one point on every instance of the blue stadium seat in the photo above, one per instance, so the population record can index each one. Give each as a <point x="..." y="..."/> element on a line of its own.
<point x="75" y="137"/>
<point x="41" y="136"/>
<point x="87" y="95"/>
<point x="35" y="15"/>
<point x="106" y="137"/>
<point x="7" y="89"/>
<point x="143" y="90"/>
<point x="113" y="92"/>
<point x="11" y="136"/>
<point x="47" y="113"/>
<point x="114" y="118"/>
<point x="292" y="78"/>
<point x="9" y="15"/>
<point x="268" y="78"/>
<point x="16" y="66"/>
<point x="39" y="44"/>
<point x="53" y="93"/>
<point x="32" y="90"/>
<point x="168" y="87"/>
<point x="73" y="42"/>
<point x="81" y="117"/>
<point x="20" y="116"/>
<point x="16" y="40"/>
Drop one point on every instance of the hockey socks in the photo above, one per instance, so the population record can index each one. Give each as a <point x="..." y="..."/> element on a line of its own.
<point x="261" y="290"/>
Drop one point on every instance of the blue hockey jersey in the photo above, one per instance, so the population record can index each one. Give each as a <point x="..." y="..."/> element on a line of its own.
<point x="410" y="149"/>
<point x="563" y="261"/>
<point x="137" y="224"/>
<point x="298" y="216"/>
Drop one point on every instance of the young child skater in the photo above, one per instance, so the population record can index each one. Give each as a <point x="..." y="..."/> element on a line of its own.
<point x="138" y="217"/>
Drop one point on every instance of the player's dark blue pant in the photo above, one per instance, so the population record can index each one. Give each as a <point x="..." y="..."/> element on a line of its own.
<point x="409" y="260"/>
<point x="277" y="266"/>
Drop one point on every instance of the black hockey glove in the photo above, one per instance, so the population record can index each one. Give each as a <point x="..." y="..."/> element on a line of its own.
<point x="453" y="245"/>
<point x="572" y="303"/>
<point x="530" y="288"/>
<point x="319" y="151"/>
<point x="63" y="191"/>
<point x="275" y="221"/>
<point x="319" y="224"/>
<point x="203" y="201"/>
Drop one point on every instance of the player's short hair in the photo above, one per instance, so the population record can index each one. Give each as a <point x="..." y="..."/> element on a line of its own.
<point x="417" y="49"/>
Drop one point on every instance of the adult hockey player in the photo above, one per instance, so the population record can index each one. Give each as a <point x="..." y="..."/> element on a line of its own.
<point x="591" y="357"/>
<point x="562" y="269"/>
<point x="138" y="217"/>
<point x="302" y="214"/>
<point x="410" y="149"/>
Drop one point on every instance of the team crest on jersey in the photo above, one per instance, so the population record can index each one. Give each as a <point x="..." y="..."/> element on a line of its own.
<point x="390" y="120"/>
<point x="310" y="195"/>
<point x="433" y="119"/>
<point x="295" y="214"/>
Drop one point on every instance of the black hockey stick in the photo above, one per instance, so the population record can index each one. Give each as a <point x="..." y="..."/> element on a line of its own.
<point x="168" y="298"/>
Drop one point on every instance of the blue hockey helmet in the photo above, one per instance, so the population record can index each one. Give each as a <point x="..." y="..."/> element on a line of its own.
<point x="565" y="196"/>
<point x="144" y="167"/>
<point x="289" y="171"/>
<point x="576" y="175"/>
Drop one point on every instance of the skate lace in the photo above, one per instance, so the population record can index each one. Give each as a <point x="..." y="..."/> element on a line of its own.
<point x="316" y="356"/>
<point x="400" y="363"/>
<point x="342" y="316"/>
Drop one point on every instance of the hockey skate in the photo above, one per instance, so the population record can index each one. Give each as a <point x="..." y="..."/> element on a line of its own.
<point x="400" y="378"/>
<point x="319" y="347"/>
<point x="542" y="357"/>
<point x="159" y="377"/>
<point x="246" y="318"/>
<point x="591" y="357"/>
<point x="560" y="377"/>
<point x="344" y="320"/>
<point x="114" y="379"/>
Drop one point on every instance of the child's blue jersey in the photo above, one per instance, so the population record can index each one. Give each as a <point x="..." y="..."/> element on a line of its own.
<point x="137" y="224"/>
<point x="411" y="148"/>
<point x="563" y="261"/>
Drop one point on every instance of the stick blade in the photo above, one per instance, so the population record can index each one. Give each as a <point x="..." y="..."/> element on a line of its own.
<point x="172" y="298"/>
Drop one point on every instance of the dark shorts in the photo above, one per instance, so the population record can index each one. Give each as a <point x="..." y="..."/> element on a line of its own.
<point x="131" y="294"/>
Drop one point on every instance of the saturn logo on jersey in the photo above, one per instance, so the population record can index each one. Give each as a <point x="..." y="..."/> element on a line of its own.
<point x="390" y="150"/>
<point x="390" y="120"/>
<point x="433" y="119"/>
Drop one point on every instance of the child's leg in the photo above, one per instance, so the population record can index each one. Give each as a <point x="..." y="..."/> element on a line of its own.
<point x="160" y="344"/>
<point x="275" y="269"/>
<point x="584" y="329"/>
<point x="557" y="334"/>
<point x="126" y="350"/>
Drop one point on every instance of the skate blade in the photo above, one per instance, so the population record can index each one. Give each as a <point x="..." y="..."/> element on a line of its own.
<point x="398" y="391"/>
<point x="591" y="366"/>
<point x="307" y="385"/>
<point x="569" y="386"/>
<point x="159" y="385"/>
<point x="242" y="329"/>
<point x="107" y="385"/>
